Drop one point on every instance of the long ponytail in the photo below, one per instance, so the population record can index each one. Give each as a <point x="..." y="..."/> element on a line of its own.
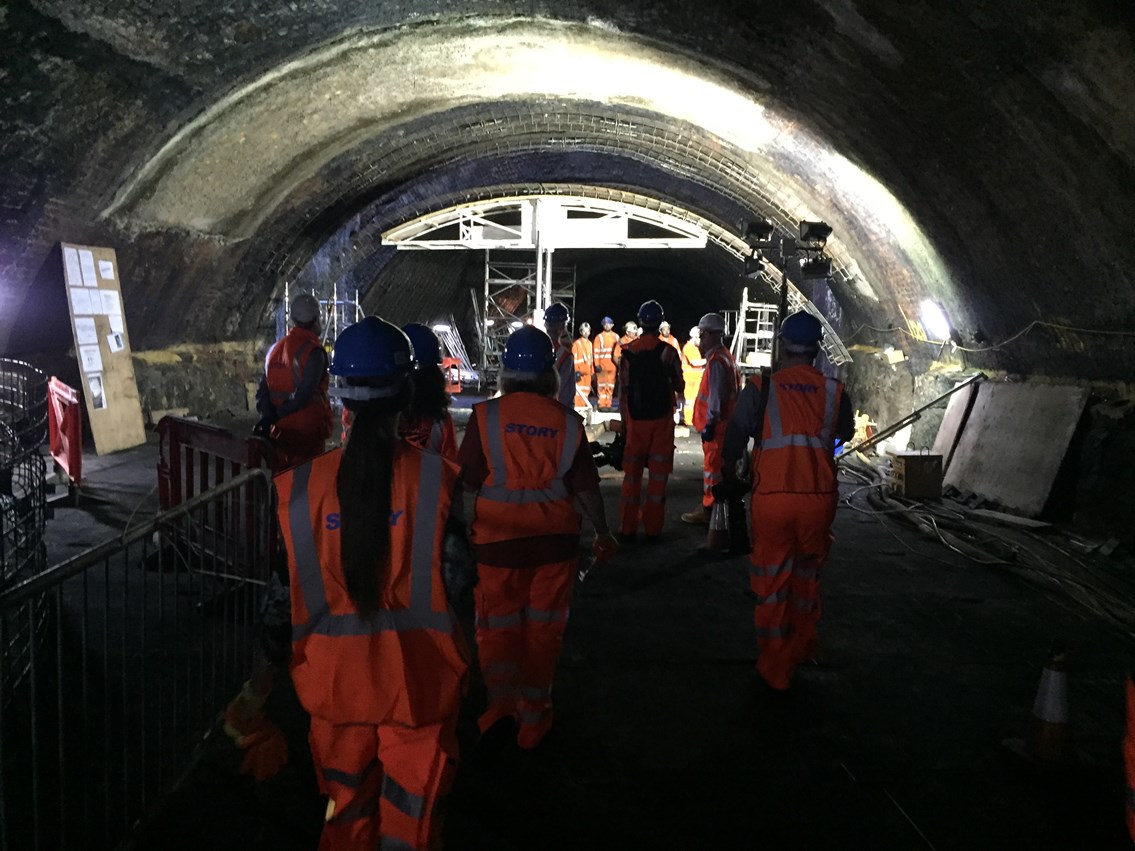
<point x="364" y="485"/>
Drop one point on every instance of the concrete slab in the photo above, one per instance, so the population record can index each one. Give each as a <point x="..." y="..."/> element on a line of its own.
<point x="1013" y="442"/>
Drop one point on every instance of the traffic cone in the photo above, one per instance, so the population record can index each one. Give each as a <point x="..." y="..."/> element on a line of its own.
<point x="717" y="539"/>
<point x="1047" y="739"/>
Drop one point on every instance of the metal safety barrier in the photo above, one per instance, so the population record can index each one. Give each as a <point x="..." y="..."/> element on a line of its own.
<point x="139" y="644"/>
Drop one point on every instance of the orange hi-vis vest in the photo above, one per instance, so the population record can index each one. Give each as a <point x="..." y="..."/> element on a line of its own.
<point x="670" y="340"/>
<point x="565" y="369"/>
<point x="583" y="353"/>
<point x="605" y="344"/>
<point x="796" y="453"/>
<point x="701" y="403"/>
<point x="406" y="663"/>
<point x="435" y="435"/>
<point x="283" y="371"/>
<point x="529" y="442"/>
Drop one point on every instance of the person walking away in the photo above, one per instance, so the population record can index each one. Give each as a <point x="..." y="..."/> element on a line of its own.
<point x="716" y="397"/>
<point x="556" y="321"/>
<point x="584" y="357"/>
<point x="693" y="365"/>
<point x="606" y="348"/>
<point x="378" y="659"/>
<point x="526" y="457"/>
<point x="795" y="493"/>
<point x="427" y="423"/>
<point x="292" y="400"/>
<point x="650" y="377"/>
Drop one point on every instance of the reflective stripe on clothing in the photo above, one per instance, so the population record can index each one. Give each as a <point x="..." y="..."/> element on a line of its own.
<point x="717" y="393"/>
<point x="500" y="491"/>
<point x="419" y="615"/>
<point x="407" y="802"/>
<point x="796" y="451"/>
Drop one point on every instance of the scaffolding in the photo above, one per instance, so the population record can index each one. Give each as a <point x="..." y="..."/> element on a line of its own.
<point x="339" y="311"/>
<point x="511" y="296"/>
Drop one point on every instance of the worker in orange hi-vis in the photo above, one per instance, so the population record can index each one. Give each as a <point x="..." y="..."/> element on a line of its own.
<point x="650" y="378"/>
<point x="666" y="337"/>
<point x="377" y="558"/>
<point x="630" y="333"/>
<point x="295" y="411"/>
<point x="583" y="353"/>
<point x="693" y="365"/>
<point x="606" y="350"/>
<point x="556" y="322"/>
<point x="795" y="492"/>
<point x="526" y="457"/>
<point x="427" y="423"/>
<point x="717" y="394"/>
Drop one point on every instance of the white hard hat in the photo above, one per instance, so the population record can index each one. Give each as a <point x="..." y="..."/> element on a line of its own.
<point x="695" y="331"/>
<point x="712" y="322"/>
<point x="304" y="308"/>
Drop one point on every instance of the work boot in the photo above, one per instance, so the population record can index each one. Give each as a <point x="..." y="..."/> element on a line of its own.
<point x="698" y="517"/>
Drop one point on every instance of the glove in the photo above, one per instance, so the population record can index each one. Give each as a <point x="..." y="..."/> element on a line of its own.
<point x="263" y="743"/>
<point x="578" y="377"/>
<point x="598" y="369"/>
<point x="605" y="547"/>
<point x="707" y="433"/>
<point x="263" y="426"/>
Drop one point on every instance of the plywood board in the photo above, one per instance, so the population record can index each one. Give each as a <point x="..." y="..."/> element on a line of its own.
<point x="1014" y="441"/>
<point x="950" y="429"/>
<point x="102" y="347"/>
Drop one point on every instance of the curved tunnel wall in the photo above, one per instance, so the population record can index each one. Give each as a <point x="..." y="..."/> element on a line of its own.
<point x="1017" y="167"/>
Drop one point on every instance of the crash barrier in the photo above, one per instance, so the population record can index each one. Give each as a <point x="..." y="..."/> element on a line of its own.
<point x="65" y="429"/>
<point x="139" y="644"/>
<point x="23" y="495"/>
<point x="195" y="456"/>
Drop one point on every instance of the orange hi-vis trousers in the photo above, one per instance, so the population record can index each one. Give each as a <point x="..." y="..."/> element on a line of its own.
<point x="650" y="446"/>
<point x="693" y="384"/>
<point x="521" y="617"/>
<point x="605" y="381"/>
<point x="791" y="541"/>
<point x="1129" y="755"/>
<point x="711" y="469"/>
<point x="384" y="782"/>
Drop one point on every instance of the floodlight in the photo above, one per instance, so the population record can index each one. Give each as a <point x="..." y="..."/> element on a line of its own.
<point x="442" y="329"/>
<point x="489" y="323"/>
<point x="758" y="232"/>
<point x="816" y="268"/>
<point x="814" y="232"/>
<point x="516" y="324"/>
<point x="934" y="320"/>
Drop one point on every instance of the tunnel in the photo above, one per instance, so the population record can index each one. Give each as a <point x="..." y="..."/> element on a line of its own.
<point x="975" y="164"/>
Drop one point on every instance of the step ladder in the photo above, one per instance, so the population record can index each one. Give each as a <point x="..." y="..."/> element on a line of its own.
<point x="753" y="338"/>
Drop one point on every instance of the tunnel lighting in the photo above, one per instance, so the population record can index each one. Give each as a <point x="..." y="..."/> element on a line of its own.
<point x="758" y="232"/>
<point x="934" y="320"/>
<point x="442" y="329"/>
<point x="815" y="232"/>
<point x="516" y="324"/>
<point x="816" y="268"/>
<point x="489" y="323"/>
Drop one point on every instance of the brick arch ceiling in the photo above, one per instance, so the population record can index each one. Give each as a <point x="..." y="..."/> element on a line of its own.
<point x="978" y="155"/>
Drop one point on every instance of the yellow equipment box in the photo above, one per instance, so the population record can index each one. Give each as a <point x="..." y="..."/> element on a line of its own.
<point x="917" y="475"/>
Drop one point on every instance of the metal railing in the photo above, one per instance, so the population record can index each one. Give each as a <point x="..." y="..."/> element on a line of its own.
<point x="140" y="642"/>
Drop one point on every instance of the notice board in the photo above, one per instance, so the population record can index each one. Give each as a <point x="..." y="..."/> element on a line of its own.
<point x="102" y="347"/>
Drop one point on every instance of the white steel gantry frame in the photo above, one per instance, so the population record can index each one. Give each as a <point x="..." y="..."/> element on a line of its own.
<point x="540" y="224"/>
<point x="500" y="223"/>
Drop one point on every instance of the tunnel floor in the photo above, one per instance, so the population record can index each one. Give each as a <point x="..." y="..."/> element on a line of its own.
<point x="664" y="740"/>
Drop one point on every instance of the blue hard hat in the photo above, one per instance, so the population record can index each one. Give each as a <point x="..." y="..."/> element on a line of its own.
<point x="529" y="350"/>
<point x="607" y="319"/>
<point x="803" y="329"/>
<point x="556" y="313"/>
<point x="427" y="350"/>
<point x="651" y="314"/>
<point x="372" y="348"/>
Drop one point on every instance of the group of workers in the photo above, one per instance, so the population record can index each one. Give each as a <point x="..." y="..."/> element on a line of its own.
<point x="378" y="554"/>
<point x="596" y="363"/>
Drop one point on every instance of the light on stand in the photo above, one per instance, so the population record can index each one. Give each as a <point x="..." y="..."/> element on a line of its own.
<point x="934" y="320"/>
